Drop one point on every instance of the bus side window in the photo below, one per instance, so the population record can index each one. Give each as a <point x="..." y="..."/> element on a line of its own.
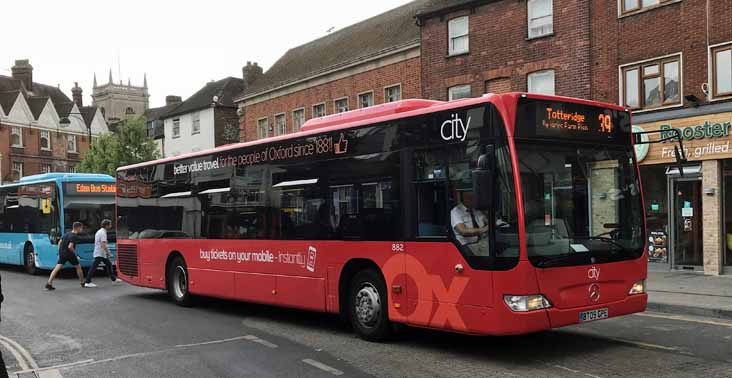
<point x="431" y="190"/>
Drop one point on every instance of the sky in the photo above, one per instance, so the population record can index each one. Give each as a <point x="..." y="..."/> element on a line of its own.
<point x="180" y="45"/>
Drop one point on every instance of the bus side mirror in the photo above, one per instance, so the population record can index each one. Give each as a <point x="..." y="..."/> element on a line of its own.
<point x="483" y="188"/>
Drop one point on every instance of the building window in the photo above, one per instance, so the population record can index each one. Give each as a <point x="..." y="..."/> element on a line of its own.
<point x="72" y="169"/>
<point x="652" y="84"/>
<point x="176" y="128"/>
<point x="341" y="105"/>
<point x="17" y="170"/>
<point x="458" y="92"/>
<point x="498" y="85"/>
<point x="280" y="124"/>
<point x="262" y="128"/>
<point x="541" y="82"/>
<point x="72" y="143"/>
<point x="298" y="119"/>
<point x="722" y="71"/>
<point x="129" y="111"/>
<point x="458" y="33"/>
<point x="393" y="93"/>
<point x="46" y="168"/>
<point x="196" y="119"/>
<point x="630" y="6"/>
<point x="318" y="110"/>
<point x="366" y="99"/>
<point x="45" y="140"/>
<point x="541" y="18"/>
<point x="16" y="137"/>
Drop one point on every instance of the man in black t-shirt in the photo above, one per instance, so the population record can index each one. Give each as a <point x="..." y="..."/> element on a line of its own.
<point x="67" y="253"/>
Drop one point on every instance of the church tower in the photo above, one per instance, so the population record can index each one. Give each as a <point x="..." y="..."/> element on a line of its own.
<point x="118" y="101"/>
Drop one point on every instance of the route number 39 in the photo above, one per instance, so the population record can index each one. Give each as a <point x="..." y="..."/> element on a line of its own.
<point x="397" y="247"/>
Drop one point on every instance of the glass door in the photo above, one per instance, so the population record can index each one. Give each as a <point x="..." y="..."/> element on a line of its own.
<point x="686" y="223"/>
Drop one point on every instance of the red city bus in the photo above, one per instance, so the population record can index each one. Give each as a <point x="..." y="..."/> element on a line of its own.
<point x="505" y="214"/>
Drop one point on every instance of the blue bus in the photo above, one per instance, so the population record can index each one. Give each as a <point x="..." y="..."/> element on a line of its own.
<point x="36" y="210"/>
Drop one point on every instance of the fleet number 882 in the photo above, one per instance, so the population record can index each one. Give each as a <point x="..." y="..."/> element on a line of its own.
<point x="397" y="247"/>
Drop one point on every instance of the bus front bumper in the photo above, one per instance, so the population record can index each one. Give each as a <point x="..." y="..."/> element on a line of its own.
<point x="564" y="317"/>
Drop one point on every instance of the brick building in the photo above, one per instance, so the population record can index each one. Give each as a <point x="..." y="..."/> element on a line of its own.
<point x="475" y="47"/>
<point x="671" y="63"/>
<point x="371" y="62"/>
<point x="41" y="129"/>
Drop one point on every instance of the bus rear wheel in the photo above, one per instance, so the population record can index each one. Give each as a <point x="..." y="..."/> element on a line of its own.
<point x="177" y="282"/>
<point x="29" y="260"/>
<point x="368" y="306"/>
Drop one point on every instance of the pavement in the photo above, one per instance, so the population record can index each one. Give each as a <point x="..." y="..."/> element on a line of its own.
<point x="690" y="293"/>
<point x="117" y="330"/>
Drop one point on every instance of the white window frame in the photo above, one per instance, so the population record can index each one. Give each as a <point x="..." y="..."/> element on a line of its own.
<point x="176" y="127"/>
<point x="69" y="144"/>
<point x="261" y="134"/>
<point x="530" y="18"/>
<point x="295" y="127"/>
<point x="361" y="95"/>
<point x="277" y="130"/>
<point x="325" y="110"/>
<point x="712" y="85"/>
<point x="196" y="123"/>
<point x="72" y="169"/>
<point x="386" y="99"/>
<point x="47" y="136"/>
<point x="17" y="166"/>
<point x="536" y="74"/>
<point x="621" y="92"/>
<point x="453" y="35"/>
<point x="336" y="108"/>
<point x="46" y="168"/>
<point x="17" y="130"/>
<point x="452" y="90"/>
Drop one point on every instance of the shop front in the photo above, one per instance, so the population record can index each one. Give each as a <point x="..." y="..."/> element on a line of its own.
<point x="689" y="226"/>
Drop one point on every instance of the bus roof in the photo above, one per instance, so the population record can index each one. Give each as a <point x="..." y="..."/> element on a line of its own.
<point x="374" y="114"/>
<point x="63" y="177"/>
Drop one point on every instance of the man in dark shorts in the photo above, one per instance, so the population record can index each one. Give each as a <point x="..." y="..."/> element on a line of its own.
<point x="67" y="253"/>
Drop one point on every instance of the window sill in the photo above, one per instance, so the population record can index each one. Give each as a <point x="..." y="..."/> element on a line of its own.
<point x="196" y="133"/>
<point x="176" y="137"/>
<point x="455" y="55"/>
<point x="646" y="9"/>
<point x="540" y="37"/>
<point x="16" y="146"/>
<point x="722" y="97"/>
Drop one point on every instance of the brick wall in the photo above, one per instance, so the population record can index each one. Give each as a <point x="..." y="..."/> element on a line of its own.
<point x="669" y="29"/>
<point x="405" y="73"/>
<point x="499" y="49"/>
<point x="711" y="214"/>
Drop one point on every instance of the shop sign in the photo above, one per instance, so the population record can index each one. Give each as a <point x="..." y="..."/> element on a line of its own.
<point x="704" y="137"/>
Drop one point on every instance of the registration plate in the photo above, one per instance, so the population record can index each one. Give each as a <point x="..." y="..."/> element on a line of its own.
<point x="588" y="316"/>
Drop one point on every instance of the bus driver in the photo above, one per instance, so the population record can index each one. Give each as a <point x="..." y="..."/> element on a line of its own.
<point x="470" y="225"/>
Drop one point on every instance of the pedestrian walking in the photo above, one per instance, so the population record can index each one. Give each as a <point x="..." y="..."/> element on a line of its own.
<point x="101" y="254"/>
<point x="67" y="253"/>
<point x="3" y="368"/>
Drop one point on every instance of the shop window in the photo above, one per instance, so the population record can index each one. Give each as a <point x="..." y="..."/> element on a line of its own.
<point x="728" y="212"/>
<point x="722" y="71"/>
<point x="652" y="84"/>
<point x="655" y="189"/>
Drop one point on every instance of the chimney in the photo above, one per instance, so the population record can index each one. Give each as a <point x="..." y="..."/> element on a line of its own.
<point x="170" y="100"/>
<point x="23" y="71"/>
<point x="250" y="73"/>
<point x="76" y="95"/>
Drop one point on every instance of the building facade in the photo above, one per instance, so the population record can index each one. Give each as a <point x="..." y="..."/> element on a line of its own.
<point x="41" y="129"/>
<point x="205" y="120"/>
<point x="119" y="102"/>
<point x="675" y="75"/>
<point x="371" y="62"/>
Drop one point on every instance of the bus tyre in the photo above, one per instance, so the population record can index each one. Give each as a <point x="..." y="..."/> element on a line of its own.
<point x="29" y="260"/>
<point x="177" y="282"/>
<point x="368" y="306"/>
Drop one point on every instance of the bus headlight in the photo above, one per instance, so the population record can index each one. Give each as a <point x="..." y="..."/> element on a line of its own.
<point x="638" y="288"/>
<point x="525" y="303"/>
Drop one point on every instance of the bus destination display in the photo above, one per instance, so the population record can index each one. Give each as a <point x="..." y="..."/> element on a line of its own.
<point x="90" y="188"/>
<point x="537" y="118"/>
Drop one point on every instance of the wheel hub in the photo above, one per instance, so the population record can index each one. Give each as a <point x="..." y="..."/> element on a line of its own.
<point x="180" y="282"/>
<point x="368" y="305"/>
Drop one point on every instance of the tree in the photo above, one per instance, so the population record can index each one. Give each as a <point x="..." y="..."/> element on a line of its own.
<point x="130" y="145"/>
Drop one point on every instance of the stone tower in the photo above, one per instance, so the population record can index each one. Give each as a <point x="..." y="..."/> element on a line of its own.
<point x="119" y="102"/>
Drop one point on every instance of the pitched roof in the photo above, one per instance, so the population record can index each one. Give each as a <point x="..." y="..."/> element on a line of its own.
<point x="224" y="89"/>
<point x="57" y="96"/>
<point x="64" y="109"/>
<point x="377" y="35"/>
<point x="88" y="112"/>
<point x="36" y="105"/>
<point x="154" y="114"/>
<point x="7" y="100"/>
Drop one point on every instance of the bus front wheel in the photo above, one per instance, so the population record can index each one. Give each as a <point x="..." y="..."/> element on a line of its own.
<point x="368" y="306"/>
<point x="177" y="282"/>
<point x="29" y="260"/>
